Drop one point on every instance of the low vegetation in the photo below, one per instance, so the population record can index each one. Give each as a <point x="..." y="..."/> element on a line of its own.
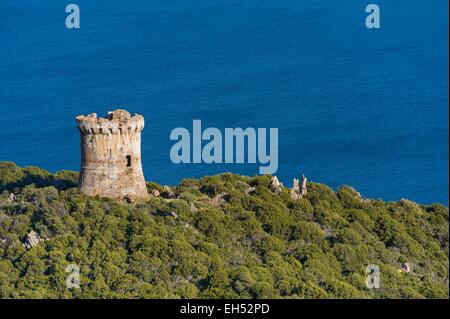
<point x="224" y="236"/>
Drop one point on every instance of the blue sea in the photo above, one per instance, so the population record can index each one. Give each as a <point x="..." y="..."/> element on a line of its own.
<point x="367" y="108"/>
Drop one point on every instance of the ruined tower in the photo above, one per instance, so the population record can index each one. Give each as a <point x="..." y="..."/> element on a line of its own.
<point x="111" y="155"/>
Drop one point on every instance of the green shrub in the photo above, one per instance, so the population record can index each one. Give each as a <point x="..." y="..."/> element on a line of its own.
<point x="254" y="244"/>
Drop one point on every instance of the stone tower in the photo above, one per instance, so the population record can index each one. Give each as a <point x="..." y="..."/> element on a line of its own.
<point x="111" y="155"/>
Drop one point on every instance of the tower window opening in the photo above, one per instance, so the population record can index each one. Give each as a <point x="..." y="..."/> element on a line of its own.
<point x="128" y="161"/>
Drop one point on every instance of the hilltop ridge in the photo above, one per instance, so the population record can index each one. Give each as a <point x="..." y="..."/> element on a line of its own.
<point x="223" y="236"/>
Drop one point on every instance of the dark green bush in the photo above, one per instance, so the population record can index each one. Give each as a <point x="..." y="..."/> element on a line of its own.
<point x="252" y="244"/>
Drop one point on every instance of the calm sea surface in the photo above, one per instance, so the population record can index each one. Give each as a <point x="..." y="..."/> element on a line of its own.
<point x="368" y="108"/>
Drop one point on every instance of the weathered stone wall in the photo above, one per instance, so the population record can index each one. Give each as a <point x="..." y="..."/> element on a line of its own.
<point x="111" y="155"/>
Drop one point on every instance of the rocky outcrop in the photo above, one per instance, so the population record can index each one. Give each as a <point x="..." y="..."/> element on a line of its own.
<point x="295" y="185"/>
<point x="32" y="240"/>
<point x="155" y="193"/>
<point x="219" y="199"/>
<point x="296" y="192"/>
<point x="304" y="189"/>
<point x="276" y="185"/>
<point x="168" y="193"/>
<point x="406" y="267"/>
<point x="11" y="197"/>
<point x="173" y="214"/>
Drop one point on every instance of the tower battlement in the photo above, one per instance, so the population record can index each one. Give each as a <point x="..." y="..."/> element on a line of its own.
<point x="111" y="155"/>
<point x="117" y="122"/>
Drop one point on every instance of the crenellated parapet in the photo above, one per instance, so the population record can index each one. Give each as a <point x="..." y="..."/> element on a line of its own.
<point x="117" y="122"/>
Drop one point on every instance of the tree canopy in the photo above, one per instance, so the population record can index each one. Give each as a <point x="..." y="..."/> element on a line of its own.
<point x="223" y="236"/>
